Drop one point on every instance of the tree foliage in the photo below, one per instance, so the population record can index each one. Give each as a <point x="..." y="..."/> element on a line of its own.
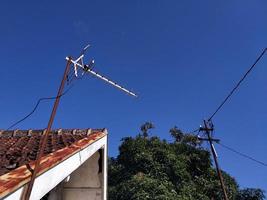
<point x="151" y="168"/>
<point x="145" y="127"/>
<point x="250" y="194"/>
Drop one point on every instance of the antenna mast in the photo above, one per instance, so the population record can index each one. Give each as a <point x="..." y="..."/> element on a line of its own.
<point x="78" y="63"/>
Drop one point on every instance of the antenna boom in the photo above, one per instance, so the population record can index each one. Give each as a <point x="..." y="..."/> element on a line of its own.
<point x="102" y="77"/>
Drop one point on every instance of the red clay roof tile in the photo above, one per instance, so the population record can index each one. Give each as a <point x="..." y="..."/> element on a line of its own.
<point x="18" y="150"/>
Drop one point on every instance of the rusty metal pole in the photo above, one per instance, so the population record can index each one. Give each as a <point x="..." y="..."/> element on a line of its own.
<point x="27" y="194"/>
<point x="216" y="161"/>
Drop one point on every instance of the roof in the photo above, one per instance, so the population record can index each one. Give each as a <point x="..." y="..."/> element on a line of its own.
<point x="18" y="151"/>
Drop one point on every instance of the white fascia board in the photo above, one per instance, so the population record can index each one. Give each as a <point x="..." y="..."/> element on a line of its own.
<point x="51" y="178"/>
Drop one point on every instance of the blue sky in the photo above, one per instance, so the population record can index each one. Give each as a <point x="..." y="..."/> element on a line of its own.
<point x="181" y="57"/>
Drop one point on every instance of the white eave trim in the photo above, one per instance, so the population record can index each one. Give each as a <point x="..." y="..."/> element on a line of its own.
<point x="51" y="178"/>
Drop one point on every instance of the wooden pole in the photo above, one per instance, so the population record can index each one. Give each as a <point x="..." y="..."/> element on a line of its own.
<point x="207" y="130"/>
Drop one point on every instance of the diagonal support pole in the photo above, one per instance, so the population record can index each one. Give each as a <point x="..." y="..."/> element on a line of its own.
<point x="27" y="194"/>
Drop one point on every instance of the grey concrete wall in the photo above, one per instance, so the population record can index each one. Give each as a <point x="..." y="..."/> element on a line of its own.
<point x="85" y="182"/>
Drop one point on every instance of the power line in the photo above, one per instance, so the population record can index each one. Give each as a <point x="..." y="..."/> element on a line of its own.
<point x="238" y="84"/>
<point x="194" y="131"/>
<point x="70" y="78"/>
<point x="36" y="106"/>
<point x="243" y="155"/>
<point x="236" y="152"/>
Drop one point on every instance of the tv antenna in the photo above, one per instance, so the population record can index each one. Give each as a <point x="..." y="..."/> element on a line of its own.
<point x="78" y="66"/>
<point x="88" y="68"/>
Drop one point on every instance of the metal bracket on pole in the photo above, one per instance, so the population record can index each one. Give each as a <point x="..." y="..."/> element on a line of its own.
<point x="208" y="128"/>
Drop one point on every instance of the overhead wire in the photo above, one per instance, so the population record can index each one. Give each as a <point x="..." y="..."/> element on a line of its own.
<point x="227" y="98"/>
<point x="38" y="103"/>
<point x="236" y="152"/>
<point x="36" y="106"/>
<point x="237" y="85"/>
<point x="194" y="131"/>
<point x="242" y="154"/>
<point x="70" y="77"/>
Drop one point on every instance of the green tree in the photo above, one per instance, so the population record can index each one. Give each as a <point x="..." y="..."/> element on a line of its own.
<point x="151" y="168"/>
<point x="145" y="127"/>
<point x="177" y="134"/>
<point x="250" y="194"/>
<point x="180" y="137"/>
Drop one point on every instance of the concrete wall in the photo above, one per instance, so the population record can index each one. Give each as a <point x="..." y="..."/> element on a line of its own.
<point x="83" y="170"/>
<point x="105" y="171"/>
<point x="85" y="182"/>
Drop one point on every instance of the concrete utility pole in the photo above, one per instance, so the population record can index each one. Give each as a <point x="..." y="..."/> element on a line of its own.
<point x="207" y="130"/>
<point x="27" y="194"/>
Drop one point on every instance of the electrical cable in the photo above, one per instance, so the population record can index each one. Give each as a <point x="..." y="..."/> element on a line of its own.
<point x="70" y="77"/>
<point x="243" y="155"/>
<point x="194" y="131"/>
<point x="238" y="84"/>
<point x="36" y="106"/>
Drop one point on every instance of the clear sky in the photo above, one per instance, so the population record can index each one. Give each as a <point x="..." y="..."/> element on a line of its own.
<point x="181" y="57"/>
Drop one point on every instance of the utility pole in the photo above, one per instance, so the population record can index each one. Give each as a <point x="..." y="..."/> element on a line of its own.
<point x="27" y="194"/>
<point x="208" y="130"/>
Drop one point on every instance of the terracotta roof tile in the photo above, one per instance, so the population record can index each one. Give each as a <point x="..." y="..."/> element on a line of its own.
<point x="21" y="146"/>
<point x="18" y="152"/>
